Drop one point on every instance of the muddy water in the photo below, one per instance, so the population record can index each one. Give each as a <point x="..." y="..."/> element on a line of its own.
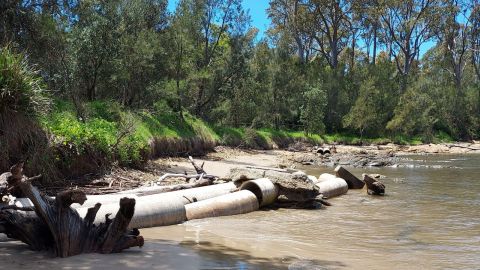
<point x="429" y="219"/>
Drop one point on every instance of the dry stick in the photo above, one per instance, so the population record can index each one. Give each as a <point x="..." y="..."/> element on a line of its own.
<point x="199" y="183"/>
<point x="111" y="183"/>
<point x="198" y="169"/>
<point x="179" y="175"/>
<point x="17" y="208"/>
<point x="267" y="168"/>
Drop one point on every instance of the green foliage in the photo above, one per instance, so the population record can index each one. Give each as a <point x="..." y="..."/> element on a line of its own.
<point x="313" y="112"/>
<point x="135" y="72"/>
<point x="364" y="115"/>
<point x="120" y="134"/>
<point x="21" y="88"/>
<point x="415" y="113"/>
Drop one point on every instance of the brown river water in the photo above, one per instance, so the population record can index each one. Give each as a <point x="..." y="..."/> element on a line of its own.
<point x="429" y="219"/>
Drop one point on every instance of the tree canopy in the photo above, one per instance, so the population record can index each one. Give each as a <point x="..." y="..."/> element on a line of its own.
<point x="324" y="65"/>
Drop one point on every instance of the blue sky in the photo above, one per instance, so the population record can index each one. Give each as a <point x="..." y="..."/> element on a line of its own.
<point x="257" y="10"/>
<point x="258" y="13"/>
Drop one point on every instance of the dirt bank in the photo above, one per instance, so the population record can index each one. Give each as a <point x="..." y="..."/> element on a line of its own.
<point x="222" y="159"/>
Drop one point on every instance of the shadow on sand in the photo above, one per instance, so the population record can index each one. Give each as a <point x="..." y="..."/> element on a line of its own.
<point x="157" y="254"/>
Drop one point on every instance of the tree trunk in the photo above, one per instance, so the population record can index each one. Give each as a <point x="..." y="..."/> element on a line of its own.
<point x="179" y="101"/>
<point x="198" y="103"/>
<point x="54" y="225"/>
<point x="374" y="55"/>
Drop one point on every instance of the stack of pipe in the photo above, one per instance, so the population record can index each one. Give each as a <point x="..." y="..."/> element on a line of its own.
<point x="252" y="195"/>
<point x="178" y="206"/>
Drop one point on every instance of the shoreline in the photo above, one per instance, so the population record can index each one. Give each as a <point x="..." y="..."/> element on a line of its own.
<point x="222" y="159"/>
<point x="187" y="246"/>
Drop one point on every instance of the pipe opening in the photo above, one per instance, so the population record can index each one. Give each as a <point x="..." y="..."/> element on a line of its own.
<point x="255" y="189"/>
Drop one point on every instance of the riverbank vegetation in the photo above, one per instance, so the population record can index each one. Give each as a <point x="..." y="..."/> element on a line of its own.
<point x="87" y="83"/>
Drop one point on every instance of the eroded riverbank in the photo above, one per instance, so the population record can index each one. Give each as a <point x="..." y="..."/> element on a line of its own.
<point x="220" y="161"/>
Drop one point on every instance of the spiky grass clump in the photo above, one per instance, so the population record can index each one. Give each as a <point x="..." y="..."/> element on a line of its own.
<point x="22" y="98"/>
<point x="21" y="87"/>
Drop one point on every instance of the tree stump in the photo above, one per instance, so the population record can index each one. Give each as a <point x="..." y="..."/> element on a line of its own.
<point x="53" y="225"/>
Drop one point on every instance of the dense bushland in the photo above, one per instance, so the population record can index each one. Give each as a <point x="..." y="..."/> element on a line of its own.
<point x="93" y="82"/>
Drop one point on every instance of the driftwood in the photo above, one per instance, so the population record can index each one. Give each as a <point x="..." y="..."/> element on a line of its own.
<point x="200" y="179"/>
<point x="198" y="169"/>
<point x="374" y="187"/>
<point x="161" y="189"/>
<point x="51" y="224"/>
<point x="186" y="176"/>
<point x="270" y="169"/>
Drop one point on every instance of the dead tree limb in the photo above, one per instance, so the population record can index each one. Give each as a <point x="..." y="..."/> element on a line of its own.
<point x="162" y="189"/>
<point x="190" y="176"/>
<point x="198" y="169"/>
<point x="55" y="226"/>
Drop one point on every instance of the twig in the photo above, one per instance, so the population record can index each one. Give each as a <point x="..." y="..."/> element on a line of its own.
<point x="169" y="175"/>
<point x="18" y="208"/>
<point x="267" y="168"/>
<point x="111" y="183"/>
<point x="198" y="169"/>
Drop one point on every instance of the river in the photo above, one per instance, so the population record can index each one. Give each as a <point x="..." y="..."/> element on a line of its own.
<point x="429" y="219"/>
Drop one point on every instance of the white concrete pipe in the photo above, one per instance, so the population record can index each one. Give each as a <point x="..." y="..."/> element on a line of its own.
<point x="263" y="188"/>
<point x="325" y="177"/>
<point x="332" y="186"/>
<point x="239" y="202"/>
<point x="203" y="193"/>
<point x="149" y="212"/>
<point x="186" y="195"/>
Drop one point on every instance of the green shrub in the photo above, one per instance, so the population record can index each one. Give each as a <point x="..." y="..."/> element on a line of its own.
<point x="21" y="88"/>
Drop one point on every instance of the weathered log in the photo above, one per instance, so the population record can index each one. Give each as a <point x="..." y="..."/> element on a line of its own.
<point x="9" y="181"/>
<point x="198" y="183"/>
<point x="374" y="187"/>
<point x="186" y="176"/>
<point x="55" y="226"/>
<point x="271" y="169"/>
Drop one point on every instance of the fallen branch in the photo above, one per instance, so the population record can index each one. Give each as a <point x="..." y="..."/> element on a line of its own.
<point x="270" y="169"/>
<point x="54" y="225"/>
<point x="198" y="169"/>
<point x="179" y="175"/>
<point x="199" y="183"/>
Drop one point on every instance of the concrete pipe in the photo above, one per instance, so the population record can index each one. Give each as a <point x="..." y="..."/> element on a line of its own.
<point x="103" y="199"/>
<point x="263" y="188"/>
<point x="332" y="187"/>
<point x="352" y="181"/>
<point x="150" y="211"/>
<point x="325" y="177"/>
<point x="203" y="193"/>
<point x="240" y="202"/>
<point x="186" y="195"/>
